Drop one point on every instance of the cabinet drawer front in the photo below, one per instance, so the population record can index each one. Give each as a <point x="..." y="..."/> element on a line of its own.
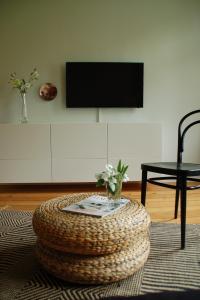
<point x="134" y="140"/>
<point x="135" y="144"/>
<point x="76" y="170"/>
<point x="79" y="140"/>
<point x="24" y="141"/>
<point x="25" y="171"/>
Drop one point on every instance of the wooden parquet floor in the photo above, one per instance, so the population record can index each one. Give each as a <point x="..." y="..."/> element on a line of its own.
<point x="160" y="201"/>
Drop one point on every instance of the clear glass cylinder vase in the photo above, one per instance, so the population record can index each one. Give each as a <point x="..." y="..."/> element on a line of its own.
<point x="24" y="114"/>
<point x="116" y="195"/>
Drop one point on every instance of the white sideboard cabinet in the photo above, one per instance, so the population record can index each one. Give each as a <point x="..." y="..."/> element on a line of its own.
<point x="25" y="154"/>
<point x="34" y="153"/>
<point x="78" y="151"/>
<point x="134" y="143"/>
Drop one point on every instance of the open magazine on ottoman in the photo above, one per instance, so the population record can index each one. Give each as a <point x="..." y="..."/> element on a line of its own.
<point x="96" y="205"/>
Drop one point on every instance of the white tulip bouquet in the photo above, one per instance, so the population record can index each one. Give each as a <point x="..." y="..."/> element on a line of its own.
<point x="21" y="84"/>
<point x="112" y="179"/>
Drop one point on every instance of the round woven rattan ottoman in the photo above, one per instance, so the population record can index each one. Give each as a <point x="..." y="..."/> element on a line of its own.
<point x="87" y="249"/>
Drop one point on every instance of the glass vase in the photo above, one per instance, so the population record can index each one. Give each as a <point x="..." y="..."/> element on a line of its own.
<point x="117" y="194"/>
<point x="24" y="115"/>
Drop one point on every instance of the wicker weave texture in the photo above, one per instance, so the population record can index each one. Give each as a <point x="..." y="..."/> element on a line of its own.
<point x="88" y="235"/>
<point x="94" y="269"/>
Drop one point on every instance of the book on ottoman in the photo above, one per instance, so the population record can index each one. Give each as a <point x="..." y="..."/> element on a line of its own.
<point x="96" y="205"/>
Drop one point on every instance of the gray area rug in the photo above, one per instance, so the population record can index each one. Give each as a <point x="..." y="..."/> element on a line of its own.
<point x="167" y="269"/>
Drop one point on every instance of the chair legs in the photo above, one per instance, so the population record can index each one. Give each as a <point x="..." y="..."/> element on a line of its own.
<point x="183" y="210"/>
<point x="176" y="199"/>
<point x="144" y="187"/>
<point x="182" y="190"/>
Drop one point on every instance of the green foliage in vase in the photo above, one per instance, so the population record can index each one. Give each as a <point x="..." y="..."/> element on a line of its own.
<point x="112" y="178"/>
<point x="21" y="84"/>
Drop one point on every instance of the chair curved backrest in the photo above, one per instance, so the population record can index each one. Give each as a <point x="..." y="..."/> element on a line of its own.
<point x="181" y="133"/>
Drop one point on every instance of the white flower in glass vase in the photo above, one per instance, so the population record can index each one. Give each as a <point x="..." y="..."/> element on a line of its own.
<point x="23" y="86"/>
<point x="112" y="178"/>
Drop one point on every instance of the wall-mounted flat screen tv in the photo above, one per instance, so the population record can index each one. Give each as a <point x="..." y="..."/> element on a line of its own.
<point x="104" y="84"/>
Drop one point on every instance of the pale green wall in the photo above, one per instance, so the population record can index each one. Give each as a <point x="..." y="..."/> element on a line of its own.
<point x="164" y="34"/>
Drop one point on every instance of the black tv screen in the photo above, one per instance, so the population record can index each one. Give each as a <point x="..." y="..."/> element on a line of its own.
<point x="104" y="84"/>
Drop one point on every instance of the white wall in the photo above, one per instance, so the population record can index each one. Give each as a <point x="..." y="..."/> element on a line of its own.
<point x="164" y="34"/>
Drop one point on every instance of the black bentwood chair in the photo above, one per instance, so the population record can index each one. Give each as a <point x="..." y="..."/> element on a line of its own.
<point x="179" y="171"/>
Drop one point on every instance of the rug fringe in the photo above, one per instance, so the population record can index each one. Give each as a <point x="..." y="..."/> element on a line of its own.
<point x="5" y="207"/>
